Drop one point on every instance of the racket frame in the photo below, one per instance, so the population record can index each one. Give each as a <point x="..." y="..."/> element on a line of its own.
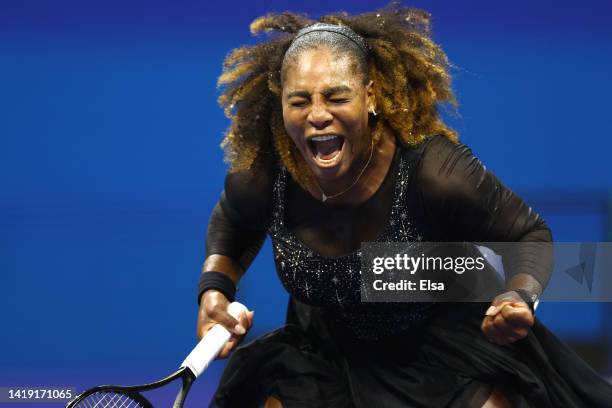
<point x="133" y="391"/>
<point x="191" y="368"/>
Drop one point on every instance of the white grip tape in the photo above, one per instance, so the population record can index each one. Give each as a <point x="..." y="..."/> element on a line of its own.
<point x="211" y="344"/>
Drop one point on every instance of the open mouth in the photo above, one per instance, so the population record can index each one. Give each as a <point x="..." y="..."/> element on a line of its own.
<point x="326" y="150"/>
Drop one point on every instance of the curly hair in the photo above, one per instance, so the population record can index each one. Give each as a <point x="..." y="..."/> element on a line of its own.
<point x="409" y="71"/>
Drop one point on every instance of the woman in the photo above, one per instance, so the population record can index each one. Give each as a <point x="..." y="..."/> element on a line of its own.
<point x="335" y="140"/>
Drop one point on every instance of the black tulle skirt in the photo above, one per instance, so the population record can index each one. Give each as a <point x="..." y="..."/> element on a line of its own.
<point x="447" y="362"/>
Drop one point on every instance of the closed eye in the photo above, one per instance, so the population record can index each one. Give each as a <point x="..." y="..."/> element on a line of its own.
<point x="298" y="104"/>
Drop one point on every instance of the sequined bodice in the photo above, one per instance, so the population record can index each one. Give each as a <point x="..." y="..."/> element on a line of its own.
<point x="335" y="282"/>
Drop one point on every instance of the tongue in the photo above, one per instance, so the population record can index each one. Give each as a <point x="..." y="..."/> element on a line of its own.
<point x="328" y="149"/>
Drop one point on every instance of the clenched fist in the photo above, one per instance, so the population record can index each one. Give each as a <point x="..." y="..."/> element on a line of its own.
<point x="508" y="319"/>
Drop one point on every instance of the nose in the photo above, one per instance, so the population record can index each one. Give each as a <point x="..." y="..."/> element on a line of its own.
<point x="319" y="117"/>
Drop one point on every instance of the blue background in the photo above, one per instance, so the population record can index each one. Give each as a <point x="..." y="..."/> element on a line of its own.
<point x="110" y="165"/>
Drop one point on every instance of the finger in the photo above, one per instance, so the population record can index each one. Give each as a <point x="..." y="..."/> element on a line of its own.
<point x="487" y="329"/>
<point x="518" y="336"/>
<point x="498" y="332"/>
<point x="244" y="320"/>
<point x="227" y="321"/>
<point x="250" y="318"/>
<point x="512" y="333"/>
<point x="231" y="345"/>
<point x="498" y="329"/>
<point x="501" y="331"/>
<point x="504" y="330"/>
<point x="491" y="311"/>
<point x="490" y="335"/>
<point x="505" y="339"/>
<point x="225" y="351"/>
<point x="233" y="342"/>
<point x="496" y="308"/>
<point x="519" y="315"/>
<point x="498" y="323"/>
<point x="485" y="326"/>
<point x="204" y="327"/>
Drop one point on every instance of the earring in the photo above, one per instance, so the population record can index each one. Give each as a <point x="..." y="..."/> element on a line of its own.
<point x="373" y="112"/>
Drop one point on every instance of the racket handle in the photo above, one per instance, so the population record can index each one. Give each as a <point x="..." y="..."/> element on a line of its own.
<point x="211" y="344"/>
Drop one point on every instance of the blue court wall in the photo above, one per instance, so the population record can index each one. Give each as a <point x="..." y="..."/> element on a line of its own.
<point x="110" y="160"/>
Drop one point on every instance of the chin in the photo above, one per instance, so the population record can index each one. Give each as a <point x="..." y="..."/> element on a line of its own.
<point x="329" y="174"/>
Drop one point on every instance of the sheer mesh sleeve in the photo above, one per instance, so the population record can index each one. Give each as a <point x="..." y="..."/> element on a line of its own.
<point x="468" y="203"/>
<point x="238" y="223"/>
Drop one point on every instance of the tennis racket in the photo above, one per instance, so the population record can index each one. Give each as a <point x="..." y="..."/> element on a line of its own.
<point x="117" y="396"/>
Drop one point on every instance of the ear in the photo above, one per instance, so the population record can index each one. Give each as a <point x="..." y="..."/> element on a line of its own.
<point x="371" y="100"/>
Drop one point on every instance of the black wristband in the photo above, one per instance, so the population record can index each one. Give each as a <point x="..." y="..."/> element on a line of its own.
<point x="218" y="281"/>
<point x="530" y="298"/>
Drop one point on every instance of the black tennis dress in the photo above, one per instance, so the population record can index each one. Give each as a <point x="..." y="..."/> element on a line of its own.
<point x="337" y="351"/>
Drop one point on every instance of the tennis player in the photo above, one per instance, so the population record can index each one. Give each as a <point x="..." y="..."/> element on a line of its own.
<point x="335" y="140"/>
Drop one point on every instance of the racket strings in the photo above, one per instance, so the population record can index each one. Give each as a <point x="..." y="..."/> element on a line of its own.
<point x="109" y="400"/>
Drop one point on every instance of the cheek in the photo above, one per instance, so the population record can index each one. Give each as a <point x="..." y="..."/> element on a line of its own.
<point x="354" y="120"/>
<point x="293" y="124"/>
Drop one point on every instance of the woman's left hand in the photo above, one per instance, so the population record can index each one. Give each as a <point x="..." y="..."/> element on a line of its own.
<point x="507" y="320"/>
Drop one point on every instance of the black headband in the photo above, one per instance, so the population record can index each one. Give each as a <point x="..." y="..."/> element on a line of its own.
<point x="332" y="28"/>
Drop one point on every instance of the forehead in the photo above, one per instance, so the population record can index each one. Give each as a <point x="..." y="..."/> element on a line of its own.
<point x="320" y="67"/>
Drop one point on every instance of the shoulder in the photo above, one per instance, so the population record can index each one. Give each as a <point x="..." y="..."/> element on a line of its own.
<point x="439" y="150"/>
<point x="250" y="185"/>
<point x="433" y="148"/>
<point x="248" y="193"/>
<point x="445" y="167"/>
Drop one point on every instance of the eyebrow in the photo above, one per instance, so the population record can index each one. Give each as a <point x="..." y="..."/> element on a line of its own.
<point x="336" y="89"/>
<point x="327" y="92"/>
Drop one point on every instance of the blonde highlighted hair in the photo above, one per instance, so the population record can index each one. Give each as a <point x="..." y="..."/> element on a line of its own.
<point x="410" y="74"/>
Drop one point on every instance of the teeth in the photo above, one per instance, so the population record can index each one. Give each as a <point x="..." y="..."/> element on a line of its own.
<point x="328" y="160"/>
<point x="323" y="138"/>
